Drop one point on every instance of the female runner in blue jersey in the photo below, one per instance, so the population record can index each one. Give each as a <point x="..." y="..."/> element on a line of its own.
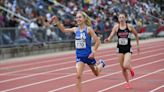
<point x="84" y="52"/>
<point x="123" y="31"/>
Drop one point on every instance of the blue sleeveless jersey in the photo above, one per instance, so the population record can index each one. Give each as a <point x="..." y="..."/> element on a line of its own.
<point x="82" y="43"/>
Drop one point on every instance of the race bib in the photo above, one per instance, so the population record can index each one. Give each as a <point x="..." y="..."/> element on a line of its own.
<point x="123" y="41"/>
<point x="80" y="44"/>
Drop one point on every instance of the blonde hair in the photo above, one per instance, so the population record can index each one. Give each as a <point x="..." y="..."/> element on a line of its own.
<point x="88" y="19"/>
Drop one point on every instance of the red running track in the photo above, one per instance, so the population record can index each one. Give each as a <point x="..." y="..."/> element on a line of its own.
<point x="58" y="74"/>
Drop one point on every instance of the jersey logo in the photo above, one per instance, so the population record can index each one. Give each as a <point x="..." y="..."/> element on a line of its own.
<point x="82" y="35"/>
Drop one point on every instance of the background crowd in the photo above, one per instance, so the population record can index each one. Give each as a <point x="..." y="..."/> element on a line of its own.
<point x="28" y="19"/>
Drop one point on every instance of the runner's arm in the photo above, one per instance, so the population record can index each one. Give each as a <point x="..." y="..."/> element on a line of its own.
<point x="95" y="38"/>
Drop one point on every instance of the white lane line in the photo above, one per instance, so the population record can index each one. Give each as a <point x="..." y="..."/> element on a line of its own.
<point x="160" y="70"/>
<point x="58" y="58"/>
<point x="44" y="66"/>
<point x="35" y="63"/>
<point x="52" y="65"/>
<point x="32" y="75"/>
<point x="74" y="74"/>
<point x="139" y="66"/>
<point x="162" y="86"/>
<point x="48" y="60"/>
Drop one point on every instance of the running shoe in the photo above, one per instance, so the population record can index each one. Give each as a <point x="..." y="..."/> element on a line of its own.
<point x="132" y="72"/>
<point x="102" y="62"/>
<point x="128" y="86"/>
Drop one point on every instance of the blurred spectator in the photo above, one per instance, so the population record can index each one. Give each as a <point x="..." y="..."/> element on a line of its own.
<point x="102" y="12"/>
<point x="12" y="22"/>
<point x="23" y="39"/>
<point x="6" y="39"/>
<point x="2" y="19"/>
<point x="100" y="24"/>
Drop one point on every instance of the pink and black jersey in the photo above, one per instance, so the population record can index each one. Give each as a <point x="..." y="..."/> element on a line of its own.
<point x="124" y="40"/>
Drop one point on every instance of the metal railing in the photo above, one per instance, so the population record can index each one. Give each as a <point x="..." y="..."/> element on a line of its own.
<point x="11" y="37"/>
<point x="13" y="13"/>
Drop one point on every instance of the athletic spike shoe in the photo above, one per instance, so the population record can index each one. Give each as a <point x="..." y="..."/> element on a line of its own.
<point x="132" y="72"/>
<point x="102" y="62"/>
<point x="128" y="86"/>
